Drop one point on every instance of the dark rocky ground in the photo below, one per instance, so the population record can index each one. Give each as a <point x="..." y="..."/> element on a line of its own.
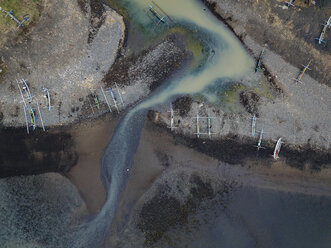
<point x="288" y="32"/>
<point x="132" y="68"/>
<point x="166" y="210"/>
<point x="23" y="154"/>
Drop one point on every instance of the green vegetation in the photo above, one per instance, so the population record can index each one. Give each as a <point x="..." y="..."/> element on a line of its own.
<point x="230" y="96"/>
<point x="263" y="89"/>
<point x="3" y="69"/>
<point x="20" y="9"/>
<point x="119" y="7"/>
<point x="192" y="44"/>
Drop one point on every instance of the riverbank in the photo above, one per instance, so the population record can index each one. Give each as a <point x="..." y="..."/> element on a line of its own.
<point x="163" y="161"/>
<point x="288" y="32"/>
<point x="167" y="175"/>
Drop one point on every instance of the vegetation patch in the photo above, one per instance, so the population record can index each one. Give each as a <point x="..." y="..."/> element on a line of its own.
<point x="170" y="208"/>
<point x="119" y="7"/>
<point x="183" y="105"/>
<point x="192" y="44"/>
<point x="165" y="211"/>
<point x="3" y="70"/>
<point x="20" y="9"/>
<point x="230" y="95"/>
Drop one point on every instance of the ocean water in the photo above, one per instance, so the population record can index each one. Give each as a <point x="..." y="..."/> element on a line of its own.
<point x="253" y="218"/>
<point x="256" y="217"/>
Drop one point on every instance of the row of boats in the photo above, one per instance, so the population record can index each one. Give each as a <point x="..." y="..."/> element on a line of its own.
<point x="253" y="132"/>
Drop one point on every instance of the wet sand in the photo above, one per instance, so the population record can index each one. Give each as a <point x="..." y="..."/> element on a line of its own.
<point x="159" y="152"/>
<point x="160" y="157"/>
<point x="266" y="174"/>
<point x="91" y="139"/>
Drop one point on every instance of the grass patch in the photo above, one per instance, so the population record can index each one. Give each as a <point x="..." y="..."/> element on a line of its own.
<point x="119" y="7"/>
<point x="230" y="96"/>
<point x="20" y="9"/>
<point x="263" y="89"/>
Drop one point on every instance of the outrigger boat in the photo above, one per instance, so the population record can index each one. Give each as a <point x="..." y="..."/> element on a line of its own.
<point x="113" y="98"/>
<point x="11" y="15"/>
<point x="328" y="23"/>
<point x="209" y="133"/>
<point x="277" y="148"/>
<point x="155" y="13"/>
<point x="48" y="99"/>
<point x="259" y="62"/>
<point x="23" y="86"/>
<point x="171" y="119"/>
<point x="260" y="141"/>
<point x="321" y="38"/>
<point x="290" y="3"/>
<point x="305" y="67"/>
<point x="96" y="100"/>
<point x="33" y="118"/>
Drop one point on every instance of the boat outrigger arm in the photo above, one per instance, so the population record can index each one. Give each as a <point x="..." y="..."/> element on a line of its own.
<point x="198" y="126"/>
<point x="107" y="102"/>
<point x="290" y="3"/>
<point x="253" y="125"/>
<point x="26" y="119"/>
<point x="277" y="148"/>
<point x="209" y="133"/>
<point x="259" y="62"/>
<point x="322" y="35"/>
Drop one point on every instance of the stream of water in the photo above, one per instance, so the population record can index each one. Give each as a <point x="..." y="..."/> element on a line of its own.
<point x="228" y="60"/>
<point x="33" y="214"/>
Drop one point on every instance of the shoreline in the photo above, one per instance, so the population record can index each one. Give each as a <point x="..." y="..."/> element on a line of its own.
<point x="95" y="158"/>
<point x="164" y="153"/>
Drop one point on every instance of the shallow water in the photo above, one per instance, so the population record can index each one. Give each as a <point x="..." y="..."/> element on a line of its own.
<point x="247" y="222"/>
<point x="257" y="217"/>
<point x="226" y="60"/>
<point x="229" y="60"/>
